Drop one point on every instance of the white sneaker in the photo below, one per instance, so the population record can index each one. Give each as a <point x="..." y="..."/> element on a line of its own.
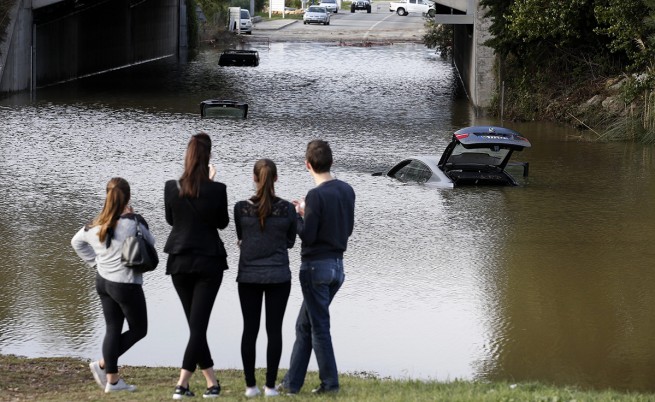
<point x="252" y="391"/>
<point x="270" y="391"/>
<point x="98" y="374"/>
<point x="119" y="386"/>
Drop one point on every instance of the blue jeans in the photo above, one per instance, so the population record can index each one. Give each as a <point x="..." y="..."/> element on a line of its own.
<point x="320" y="280"/>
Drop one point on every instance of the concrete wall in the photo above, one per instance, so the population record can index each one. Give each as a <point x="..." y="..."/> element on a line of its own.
<point x="62" y="40"/>
<point x="16" y="58"/>
<point x="108" y="35"/>
<point x="463" y="56"/>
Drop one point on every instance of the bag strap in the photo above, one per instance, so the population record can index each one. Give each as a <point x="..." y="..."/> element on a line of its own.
<point x="138" y="229"/>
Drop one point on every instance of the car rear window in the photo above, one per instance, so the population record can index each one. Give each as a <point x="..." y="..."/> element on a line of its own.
<point x="477" y="156"/>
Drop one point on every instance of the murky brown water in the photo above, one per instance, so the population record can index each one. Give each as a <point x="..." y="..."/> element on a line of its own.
<point x="549" y="281"/>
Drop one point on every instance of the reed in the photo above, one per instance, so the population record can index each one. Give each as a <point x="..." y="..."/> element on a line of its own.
<point x="637" y="125"/>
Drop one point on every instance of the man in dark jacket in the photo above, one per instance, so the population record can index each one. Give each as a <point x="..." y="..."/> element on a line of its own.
<point x="325" y="221"/>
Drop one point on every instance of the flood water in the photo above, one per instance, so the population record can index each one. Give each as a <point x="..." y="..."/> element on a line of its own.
<point x="549" y="281"/>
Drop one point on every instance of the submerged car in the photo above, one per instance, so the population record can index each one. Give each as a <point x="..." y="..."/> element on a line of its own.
<point x="475" y="155"/>
<point x="316" y="14"/>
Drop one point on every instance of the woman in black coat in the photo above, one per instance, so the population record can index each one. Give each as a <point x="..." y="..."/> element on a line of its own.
<point x="196" y="207"/>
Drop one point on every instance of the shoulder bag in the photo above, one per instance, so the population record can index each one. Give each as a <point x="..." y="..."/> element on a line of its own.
<point x="137" y="253"/>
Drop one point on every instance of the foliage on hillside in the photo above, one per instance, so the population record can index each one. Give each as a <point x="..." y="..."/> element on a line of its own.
<point x="555" y="56"/>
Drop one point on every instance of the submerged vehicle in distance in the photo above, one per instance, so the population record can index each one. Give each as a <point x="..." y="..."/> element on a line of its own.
<point x="223" y="108"/>
<point x="477" y="155"/>
<point x="235" y="57"/>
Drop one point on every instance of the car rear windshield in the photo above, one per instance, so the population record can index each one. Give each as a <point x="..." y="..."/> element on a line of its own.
<point x="477" y="156"/>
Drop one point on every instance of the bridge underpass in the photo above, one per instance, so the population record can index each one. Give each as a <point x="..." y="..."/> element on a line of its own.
<point x="51" y="41"/>
<point x="474" y="61"/>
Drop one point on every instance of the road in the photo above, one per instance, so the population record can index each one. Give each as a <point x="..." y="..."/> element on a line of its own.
<point x="378" y="26"/>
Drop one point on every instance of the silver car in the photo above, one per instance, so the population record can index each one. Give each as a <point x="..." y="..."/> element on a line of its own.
<point x="316" y="14"/>
<point x="476" y="155"/>
<point x="246" y="22"/>
<point x="330" y="5"/>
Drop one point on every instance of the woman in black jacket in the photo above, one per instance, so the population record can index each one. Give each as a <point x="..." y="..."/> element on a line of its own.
<point x="196" y="207"/>
<point x="266" y="229"/>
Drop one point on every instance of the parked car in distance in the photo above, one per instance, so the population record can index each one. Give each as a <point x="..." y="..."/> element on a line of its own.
<point x="360" y="5"/>
<point x="404" y="7"/>
<point x="316" y="14"/>
<point x="476" y="155"/>
<point x="246" y="22"/>
<point x="330" y="5"/>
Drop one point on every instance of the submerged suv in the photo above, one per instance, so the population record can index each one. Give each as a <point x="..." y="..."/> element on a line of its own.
<point x="360" y="5"/>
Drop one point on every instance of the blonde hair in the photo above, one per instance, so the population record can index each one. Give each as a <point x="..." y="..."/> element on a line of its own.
<point x="118" y="196"/>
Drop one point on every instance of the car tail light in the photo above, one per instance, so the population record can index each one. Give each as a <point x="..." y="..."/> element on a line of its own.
<point x="461" y="136"/>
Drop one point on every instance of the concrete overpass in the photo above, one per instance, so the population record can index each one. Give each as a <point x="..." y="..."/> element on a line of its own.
<point x="51" y="41"/>
<point x="473" y="60"/>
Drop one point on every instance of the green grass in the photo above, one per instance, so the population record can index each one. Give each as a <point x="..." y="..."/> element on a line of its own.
<point x="69" y="379"/>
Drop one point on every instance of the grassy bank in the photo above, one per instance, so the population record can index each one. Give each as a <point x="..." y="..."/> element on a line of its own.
<point x="69" y="379"/>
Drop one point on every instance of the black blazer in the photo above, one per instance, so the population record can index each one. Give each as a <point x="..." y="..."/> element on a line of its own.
<point x="195" y="220"/>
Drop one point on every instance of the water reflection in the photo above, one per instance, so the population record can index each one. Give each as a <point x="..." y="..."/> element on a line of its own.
<point x="547" y="281"/>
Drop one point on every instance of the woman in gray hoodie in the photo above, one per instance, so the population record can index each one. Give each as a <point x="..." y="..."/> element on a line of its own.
<point x="120" y="289"/>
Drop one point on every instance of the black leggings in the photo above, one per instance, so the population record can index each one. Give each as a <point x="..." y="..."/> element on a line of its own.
<point x="250" y="296"/>
<point x="197" y="292"/>
<point x="120" y="302"/>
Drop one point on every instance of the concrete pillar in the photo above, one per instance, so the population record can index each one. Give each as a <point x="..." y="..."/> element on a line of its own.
<point x="183" y="40"/>
<point x="484" y="59"/>
<point x="475" y="62"/>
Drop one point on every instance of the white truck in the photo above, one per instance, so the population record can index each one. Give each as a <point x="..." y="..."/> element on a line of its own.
<point x="404" y="7"/>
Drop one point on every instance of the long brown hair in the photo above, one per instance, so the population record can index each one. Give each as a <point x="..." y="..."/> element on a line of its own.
<point x="196" y="165"/>
<point x="265" y="172"/>
<point x="118" y="196"/>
